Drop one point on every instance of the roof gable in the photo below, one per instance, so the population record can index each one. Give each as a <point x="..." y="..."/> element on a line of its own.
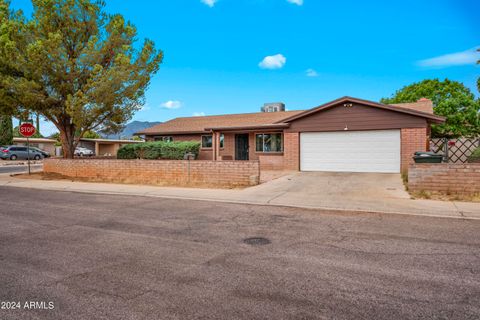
<point x="345" y="100"/>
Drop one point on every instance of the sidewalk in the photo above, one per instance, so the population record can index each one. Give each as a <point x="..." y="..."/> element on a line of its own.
<point x="4" y="163"/>
<point x="264" y="194"/>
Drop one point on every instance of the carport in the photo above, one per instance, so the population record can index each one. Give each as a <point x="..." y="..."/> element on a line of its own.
<point x="105" y="147"/>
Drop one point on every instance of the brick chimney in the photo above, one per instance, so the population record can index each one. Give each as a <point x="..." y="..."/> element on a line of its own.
<point x="424" y="99"/>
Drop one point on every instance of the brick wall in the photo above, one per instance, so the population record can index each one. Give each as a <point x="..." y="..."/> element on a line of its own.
<point x="252" y="144"/>
<point x="291" y="150"/>
<point x="412" y="140"/>
<point x="271" y="162"/>
<point x="228" y="149"/>
<point x="445" y="178"/>
<point x="222" y="174"/>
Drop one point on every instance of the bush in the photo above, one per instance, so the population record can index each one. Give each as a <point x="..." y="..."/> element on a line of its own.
<point x="475" y="156"/>
<point x="127" y="152"/>
<point x="158" y="150"/>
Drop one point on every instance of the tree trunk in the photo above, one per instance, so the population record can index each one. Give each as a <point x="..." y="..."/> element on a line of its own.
<point x="67" y="138"/>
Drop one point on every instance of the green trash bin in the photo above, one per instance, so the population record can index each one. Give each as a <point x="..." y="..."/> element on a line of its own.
<point x="427" y="157"/>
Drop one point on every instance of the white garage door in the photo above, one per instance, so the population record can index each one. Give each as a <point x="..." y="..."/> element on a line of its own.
<point x="351" y="151"/>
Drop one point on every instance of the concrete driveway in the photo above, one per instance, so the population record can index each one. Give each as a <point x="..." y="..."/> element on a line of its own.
<point x="340" y="190"/>
<point x="374" y="192"/>
<point x="334" y="187"/>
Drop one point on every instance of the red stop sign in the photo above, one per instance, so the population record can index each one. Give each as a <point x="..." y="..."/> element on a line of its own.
<point x="27" y="129"/>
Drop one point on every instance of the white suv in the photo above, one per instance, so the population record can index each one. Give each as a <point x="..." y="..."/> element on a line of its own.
<point x="83" y="152"/>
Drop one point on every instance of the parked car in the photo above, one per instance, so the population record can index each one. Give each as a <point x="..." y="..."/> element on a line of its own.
<point x="83" y="152"/>
<point x="44" y="153"/>
<point x="18" y="152"/>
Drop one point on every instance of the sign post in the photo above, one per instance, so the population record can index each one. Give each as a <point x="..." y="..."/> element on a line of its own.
<point x="27" y="130"/>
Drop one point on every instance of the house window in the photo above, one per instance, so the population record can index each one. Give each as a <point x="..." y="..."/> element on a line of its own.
<point x="269" y="142"/>
<point x="206" y="142"/>
<point x="164" y="138"/>
<point x="222" y="140"/>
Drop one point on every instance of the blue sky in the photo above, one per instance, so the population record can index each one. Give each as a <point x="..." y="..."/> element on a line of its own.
<point x="231" y="56"/>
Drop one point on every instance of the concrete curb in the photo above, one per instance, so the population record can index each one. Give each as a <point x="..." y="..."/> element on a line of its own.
<point x="149" y="194"/>
<point x="19" y="164"/>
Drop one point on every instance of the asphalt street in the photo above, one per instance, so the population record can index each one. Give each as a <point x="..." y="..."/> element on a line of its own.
<point x="18" y="169"/>
<point x="85" y="256"/>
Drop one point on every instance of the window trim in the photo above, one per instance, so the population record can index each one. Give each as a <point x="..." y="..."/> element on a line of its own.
<point x="221" y="144"/>
<point x="269" y="152"/>
<point x="162" y="138"/>
<point x="201" y="141"/>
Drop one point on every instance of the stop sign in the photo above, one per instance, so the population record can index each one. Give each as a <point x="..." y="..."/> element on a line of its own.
<point x="27" y="129"/>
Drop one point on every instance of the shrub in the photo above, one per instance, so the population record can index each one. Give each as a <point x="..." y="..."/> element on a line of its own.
<point x="158" y="150"/>
<point x="127" y="152"/>
<point x="176" y="151"/>
<point x="475" y="156"/>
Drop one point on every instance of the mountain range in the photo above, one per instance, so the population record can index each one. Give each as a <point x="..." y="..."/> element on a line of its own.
<point x="130" y="129"/>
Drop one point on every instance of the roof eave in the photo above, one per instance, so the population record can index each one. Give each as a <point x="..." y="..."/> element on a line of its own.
<point x="166" y="133"/>
<point x="253" y="127"/>
<point x="437" y="120"/>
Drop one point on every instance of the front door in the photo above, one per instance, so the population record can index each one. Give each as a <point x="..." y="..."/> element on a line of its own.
<point x="241" y="146"/>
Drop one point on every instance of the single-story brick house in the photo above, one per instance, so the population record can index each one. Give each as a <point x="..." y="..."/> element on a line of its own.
<point x="347" y="134"/>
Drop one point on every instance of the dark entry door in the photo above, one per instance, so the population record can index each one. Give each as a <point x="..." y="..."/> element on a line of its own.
<point x="241" y="146"/>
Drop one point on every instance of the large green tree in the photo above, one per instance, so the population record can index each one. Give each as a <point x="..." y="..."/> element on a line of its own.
<point x="451" y="99"/>
<point x="6" y="130"/>
<point x="74" y="65"/>
<point x="478" y="80"/>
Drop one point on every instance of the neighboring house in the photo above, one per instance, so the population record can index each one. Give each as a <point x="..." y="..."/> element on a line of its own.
<point x="41" y="143"/>
<point x="104" y="147"/>
<point x="347" y="134"/>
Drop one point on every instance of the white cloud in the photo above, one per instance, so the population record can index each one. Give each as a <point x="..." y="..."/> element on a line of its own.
<point x="273" y="62"/>
<point x="297" y="2"/>
<point x="209" y="3"/>
<point x="311" y="73"/>
<point x="199" y="114"/>
<point x="172" y="104"/>
<point x="466" y="57"/>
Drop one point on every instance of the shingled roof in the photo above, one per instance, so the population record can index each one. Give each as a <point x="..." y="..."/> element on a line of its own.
<point x="194" y="125"/>
<point x="198" y="125"/>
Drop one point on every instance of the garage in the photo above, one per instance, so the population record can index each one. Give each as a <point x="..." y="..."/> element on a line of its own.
<point x="351" y="151"/>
